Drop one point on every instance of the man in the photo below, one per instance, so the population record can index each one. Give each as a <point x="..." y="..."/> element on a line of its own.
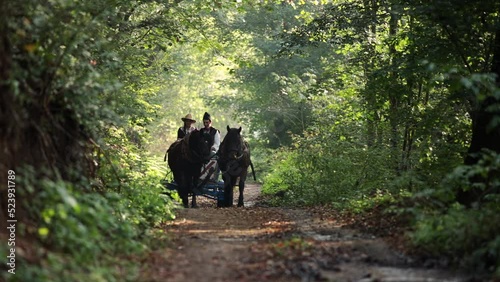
<point x="214" y="133"/>
<point x="211" y="168"/>
<point x="187" y="127"/>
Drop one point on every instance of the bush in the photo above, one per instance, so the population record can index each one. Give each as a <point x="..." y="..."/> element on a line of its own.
<point x="467" y="236"/>
<point x="81" y="235"/>
<point x="336" y="174"/>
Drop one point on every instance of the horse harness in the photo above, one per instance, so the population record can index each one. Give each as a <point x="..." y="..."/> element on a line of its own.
<point x="186" y="153"/>
<point x="233" y="157"/>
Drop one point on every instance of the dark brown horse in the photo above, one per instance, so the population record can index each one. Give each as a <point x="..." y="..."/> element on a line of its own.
<point x="234" y="160"/>
<point x="185" y="159"/>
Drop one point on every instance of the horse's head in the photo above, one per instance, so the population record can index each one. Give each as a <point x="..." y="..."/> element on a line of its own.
<point x="232" y="146"/>
<point x="200" y="144"/>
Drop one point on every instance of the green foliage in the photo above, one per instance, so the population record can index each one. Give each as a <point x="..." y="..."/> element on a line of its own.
<point x="81" y="81"/>
<point x="467" y="237"/>
<point x="362" y="103"/>
<point x="484" y="176"/>
<point x="126" y="169"/>
<point x="272" y="90"/>
<point x="464" y="235"/>
<point x="408" y="126"/>
<point x="324" y="169"/>
<point x="90" y="235"/>
<point x="62" y="267"/>
<point x="146" y="204"/>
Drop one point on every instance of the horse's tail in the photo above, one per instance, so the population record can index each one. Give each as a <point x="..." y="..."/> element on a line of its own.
<point x="166" y="152"/>
<point x="253" y="171"/>
<point x="247" y="145"/>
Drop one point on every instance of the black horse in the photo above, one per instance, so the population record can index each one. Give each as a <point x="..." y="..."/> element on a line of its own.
<point x="234" y="160"/>
<point x="185" y="159"/>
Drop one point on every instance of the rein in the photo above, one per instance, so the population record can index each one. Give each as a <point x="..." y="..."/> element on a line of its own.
<point x="232" y="160"/>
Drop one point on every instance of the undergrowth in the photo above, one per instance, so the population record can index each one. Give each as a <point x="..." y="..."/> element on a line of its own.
<point x="438" y="225"/>
<point x="468" y="236"/>
<point x="79" y="235"/>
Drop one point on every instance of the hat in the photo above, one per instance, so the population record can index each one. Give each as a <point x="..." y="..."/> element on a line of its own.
<point x="188" y="117"/>
<point x="206" y="116"/>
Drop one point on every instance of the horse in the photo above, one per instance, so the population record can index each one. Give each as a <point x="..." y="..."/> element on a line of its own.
<point x="234" y="160"/>
<point x="185" y="159"/>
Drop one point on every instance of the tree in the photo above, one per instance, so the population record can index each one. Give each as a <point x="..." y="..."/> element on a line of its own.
<point x="472" y="36"/>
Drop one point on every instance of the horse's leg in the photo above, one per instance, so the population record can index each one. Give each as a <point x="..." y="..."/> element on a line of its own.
<point x="184" y="198"/>
<point x="183" y="190"/>
<point x="193" y="201"/>
<point x="193" y="198"/>
<point x="183" y="193"/>
<point x="228" y="189"/>
<point x="241" y="185"/>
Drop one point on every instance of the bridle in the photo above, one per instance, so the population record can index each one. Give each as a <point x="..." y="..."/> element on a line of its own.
<point x="231" y="156"/>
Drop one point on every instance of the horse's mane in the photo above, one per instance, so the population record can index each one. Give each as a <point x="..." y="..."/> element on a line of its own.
<point x="182" y="146"/>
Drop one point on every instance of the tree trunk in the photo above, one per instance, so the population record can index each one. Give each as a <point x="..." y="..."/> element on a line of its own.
<point x="373" y="120"/>
<point x="5" y="64"/>
<point x="483" y="137"/>
<point x="394" y="96"/>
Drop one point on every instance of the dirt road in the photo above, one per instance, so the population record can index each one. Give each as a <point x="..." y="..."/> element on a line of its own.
<point x="258" y="243"/>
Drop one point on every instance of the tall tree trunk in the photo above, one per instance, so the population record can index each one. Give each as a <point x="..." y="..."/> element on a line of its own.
<point x="413" y="100"/>
<point x="483" y="137"/>
<point x="394" y="95"/>
<point x="5" y="152"/>
<point x="371" y="8"/>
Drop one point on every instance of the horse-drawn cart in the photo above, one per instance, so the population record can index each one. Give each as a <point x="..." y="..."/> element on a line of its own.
<point x="209" y="185"/>
<point x="191" y="155"/>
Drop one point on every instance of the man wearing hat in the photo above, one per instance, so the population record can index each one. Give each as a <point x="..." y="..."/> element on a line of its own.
<point x="188" y="126"/>
<point x="214" y="133"/>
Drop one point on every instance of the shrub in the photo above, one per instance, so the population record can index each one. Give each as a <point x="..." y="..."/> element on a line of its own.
<point x="467" y="236"/>
<point x="335" y="173"/>
<point x="82" y="235"/>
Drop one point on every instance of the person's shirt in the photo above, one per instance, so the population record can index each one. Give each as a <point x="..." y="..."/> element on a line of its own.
<point x="215" y="134"/>
<point x="182" y="131"/>
<point x="216" y="145"/>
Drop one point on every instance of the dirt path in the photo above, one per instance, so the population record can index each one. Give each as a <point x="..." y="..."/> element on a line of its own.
<point x="258" y="243"/>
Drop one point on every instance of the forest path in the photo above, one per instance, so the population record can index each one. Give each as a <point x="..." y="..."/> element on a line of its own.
<point x="257" y="243"/>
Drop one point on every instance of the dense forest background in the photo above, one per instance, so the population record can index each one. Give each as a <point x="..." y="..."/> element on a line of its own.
<point x="354" y="104"/>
